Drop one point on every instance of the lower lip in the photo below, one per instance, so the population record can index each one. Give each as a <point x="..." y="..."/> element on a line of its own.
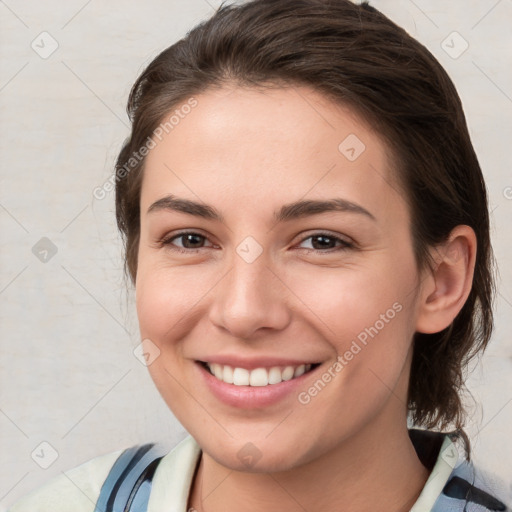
<point x="251" y="397"/>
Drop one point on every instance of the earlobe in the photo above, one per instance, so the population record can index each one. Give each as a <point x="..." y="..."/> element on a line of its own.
<point x="447" y="287"/>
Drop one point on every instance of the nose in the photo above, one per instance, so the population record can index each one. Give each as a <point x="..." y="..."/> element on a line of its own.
<point x="251" y="297"/>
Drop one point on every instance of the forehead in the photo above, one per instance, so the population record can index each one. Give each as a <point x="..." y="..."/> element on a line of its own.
<point x="269" y="146"/>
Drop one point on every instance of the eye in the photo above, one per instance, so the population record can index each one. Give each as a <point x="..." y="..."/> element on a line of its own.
<point x="190" y="242"/>
<point x="326" y="242"/>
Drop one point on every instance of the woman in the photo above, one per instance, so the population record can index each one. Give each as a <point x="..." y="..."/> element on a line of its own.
<point x="306" y="226"/>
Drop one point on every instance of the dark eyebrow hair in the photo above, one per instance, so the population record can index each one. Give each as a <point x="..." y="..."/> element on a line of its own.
<point x="287" y="212"/>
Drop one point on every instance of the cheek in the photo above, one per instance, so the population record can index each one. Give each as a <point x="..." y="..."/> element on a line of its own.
<point x="366" y="372"/>
<point x="344" y="302"/>
<point x="168" y="299"/>
<point x="365" y="316"/>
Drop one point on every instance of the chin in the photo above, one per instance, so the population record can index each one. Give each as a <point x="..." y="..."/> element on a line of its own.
<point x="258" y="456"/>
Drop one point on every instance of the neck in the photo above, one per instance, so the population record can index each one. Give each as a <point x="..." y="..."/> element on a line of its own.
<point x="377" y="469"/>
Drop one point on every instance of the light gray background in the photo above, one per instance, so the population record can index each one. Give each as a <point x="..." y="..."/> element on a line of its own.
<point x="68" y="327"/>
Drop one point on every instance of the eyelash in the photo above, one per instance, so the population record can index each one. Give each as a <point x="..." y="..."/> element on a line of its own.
<point x="167" y="242"/>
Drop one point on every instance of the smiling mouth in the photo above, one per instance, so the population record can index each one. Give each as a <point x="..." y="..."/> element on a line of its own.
<point x="257" y="377"/>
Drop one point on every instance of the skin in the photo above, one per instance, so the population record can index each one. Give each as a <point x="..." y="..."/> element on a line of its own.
<point x="247" y="152"/>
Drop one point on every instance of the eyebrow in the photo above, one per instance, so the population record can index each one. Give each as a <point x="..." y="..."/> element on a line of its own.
<point x="287" y="212"/>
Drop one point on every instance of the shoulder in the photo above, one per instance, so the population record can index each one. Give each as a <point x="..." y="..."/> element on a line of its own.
<point x="473" y="490"/>
<point x="76" y="489"/>
<point x="455" y="483"/>
<point x="119" y="478"/>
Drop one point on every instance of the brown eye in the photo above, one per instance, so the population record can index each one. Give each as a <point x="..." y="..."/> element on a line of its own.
<point x="187" y="242"/>
<point x="191" y="240"/>
<point x="324" y="242"/>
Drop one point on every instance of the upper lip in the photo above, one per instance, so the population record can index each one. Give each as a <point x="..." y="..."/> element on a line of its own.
<point x="255" y="362"/>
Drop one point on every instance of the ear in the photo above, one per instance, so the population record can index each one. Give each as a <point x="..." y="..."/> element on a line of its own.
<point x="444" y="290"/>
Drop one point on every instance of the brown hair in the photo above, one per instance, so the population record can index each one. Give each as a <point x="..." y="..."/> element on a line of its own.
<point x="356" y="56"/>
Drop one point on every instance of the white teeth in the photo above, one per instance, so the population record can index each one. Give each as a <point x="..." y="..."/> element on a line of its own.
<point x="299" y="370"/>
<point x="274" y="375"/>
<point x="257" y="377"/>
<point x="217" y="370"/>
<point x="227" y="374"/>
<point x="240" y="377"/>
<point x="288" y="373"/>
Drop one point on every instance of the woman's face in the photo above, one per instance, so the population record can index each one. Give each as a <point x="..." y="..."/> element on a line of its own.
<point x="299" y="258"/>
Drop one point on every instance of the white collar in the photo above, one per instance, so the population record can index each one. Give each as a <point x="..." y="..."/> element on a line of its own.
<point x="173" y="478"/>
<point x="446" y="460"/>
